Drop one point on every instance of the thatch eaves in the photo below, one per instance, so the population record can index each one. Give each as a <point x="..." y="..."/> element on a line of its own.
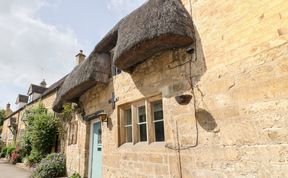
<point x="155" y="26"/>
<point x="94" y="69"/>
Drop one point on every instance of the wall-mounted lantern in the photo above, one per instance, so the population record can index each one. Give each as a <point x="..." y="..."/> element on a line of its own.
<point x="103" y="117"/>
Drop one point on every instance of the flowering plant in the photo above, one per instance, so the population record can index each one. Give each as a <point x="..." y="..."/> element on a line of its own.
<point x="15" y="157"/>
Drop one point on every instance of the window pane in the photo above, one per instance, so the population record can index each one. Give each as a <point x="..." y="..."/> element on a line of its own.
<point x="143" y="133"/>
<point x="141" y="114"/>
<point x="129" y="134"/>
<point x="128" y="118"/>
<point x="159" y="131"/>
<point x="99" y="137"/>
<point x="158" y="111"/>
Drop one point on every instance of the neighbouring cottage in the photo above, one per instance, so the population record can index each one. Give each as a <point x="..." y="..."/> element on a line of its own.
<point x="14" y="124"/>
<point x="7" y="134"/>
<point x="201" y="98"/>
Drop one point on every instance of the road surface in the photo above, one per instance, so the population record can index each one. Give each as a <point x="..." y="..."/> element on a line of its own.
<point x="8" y="170"/>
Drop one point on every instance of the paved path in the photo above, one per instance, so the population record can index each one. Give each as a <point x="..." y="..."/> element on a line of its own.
<point x="8" y="170"/>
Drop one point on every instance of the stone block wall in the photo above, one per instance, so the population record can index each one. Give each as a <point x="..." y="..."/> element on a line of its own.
<point x="236" y="123"/>
<point x="77" y="154"/>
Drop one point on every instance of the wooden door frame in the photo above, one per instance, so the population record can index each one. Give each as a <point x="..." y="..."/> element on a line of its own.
<point x="91" y="144"/>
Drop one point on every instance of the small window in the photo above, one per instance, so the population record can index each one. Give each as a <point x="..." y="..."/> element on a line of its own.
<point x="142" y="124"/>
<point x="30" y="98"/>
<point x="158" y="121"/>
<point x="128" y="125"/>
<point x="115" y="71"/>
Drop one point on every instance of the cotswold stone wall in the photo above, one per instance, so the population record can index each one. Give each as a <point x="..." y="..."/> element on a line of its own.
<point x="77" y="154"/>
<point x="239" y="110"/>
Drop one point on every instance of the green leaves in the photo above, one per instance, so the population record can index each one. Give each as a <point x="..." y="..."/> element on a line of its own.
<point x="40" y="133"/>
<point x="2" y="116"/>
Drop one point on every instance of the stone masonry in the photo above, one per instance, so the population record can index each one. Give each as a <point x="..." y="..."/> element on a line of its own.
<point x="238" y="111"/>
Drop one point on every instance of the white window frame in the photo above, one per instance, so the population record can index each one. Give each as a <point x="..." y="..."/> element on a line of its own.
<point x="126" y="126"/>
<point x="150" y="123"/>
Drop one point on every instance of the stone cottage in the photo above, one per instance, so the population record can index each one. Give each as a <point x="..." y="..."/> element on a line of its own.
<point x="14" y="124"/>
<point x="178" y="89"/>
<point x="7" y="136"/>
<point x="184" y="89"/>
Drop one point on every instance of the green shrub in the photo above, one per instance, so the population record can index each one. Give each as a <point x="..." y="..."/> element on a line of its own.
<point x="75" y="175"/>
<point x="24" y="151"/>
<point x="2" y="155"/>
<point x="54" y="165"/>
<point x="39" y="137"/>
<point x="9" y="150"/>
<point x="3" y="152"/>
<point x="34" y="157"/>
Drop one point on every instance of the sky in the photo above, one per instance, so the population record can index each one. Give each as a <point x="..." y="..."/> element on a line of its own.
<point x="40" y="38"/>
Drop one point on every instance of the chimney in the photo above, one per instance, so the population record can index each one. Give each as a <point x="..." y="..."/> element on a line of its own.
<point x="43" y="83"/>
<point x="80" y="57"/>
<point x="8" y="106"/>
<point x="8" y="110"/>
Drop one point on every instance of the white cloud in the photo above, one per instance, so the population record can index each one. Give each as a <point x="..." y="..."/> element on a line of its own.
<point x="30" y="49"/>
<point x="123" y="7"/>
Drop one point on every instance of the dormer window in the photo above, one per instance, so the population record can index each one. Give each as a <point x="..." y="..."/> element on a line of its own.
<point x="22" y="100"/>
<point x="115" y="71"/>
<point x="35" y="92"/>
<point x="30" y="98"/>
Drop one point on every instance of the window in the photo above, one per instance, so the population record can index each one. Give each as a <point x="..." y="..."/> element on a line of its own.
<point x="142" y="121"/>
<point x="73" y="133"/>
<point x="128" y="125"/>
<point x="158" y="121"/>
<point x="115" y="71"/>
<point x="142" y="124"/>
<point x="30" y="98"/>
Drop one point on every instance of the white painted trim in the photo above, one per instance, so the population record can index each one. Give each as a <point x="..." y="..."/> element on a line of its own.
<point x="90" y="144"/>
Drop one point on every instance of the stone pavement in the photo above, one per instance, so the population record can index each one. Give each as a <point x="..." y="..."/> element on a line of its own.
<point x="8" y="170"/>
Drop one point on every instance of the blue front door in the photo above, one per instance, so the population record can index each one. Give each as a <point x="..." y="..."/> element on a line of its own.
<point x="96" y="163"/>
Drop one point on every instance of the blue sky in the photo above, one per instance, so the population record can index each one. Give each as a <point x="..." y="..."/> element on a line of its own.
<point x="39" y="38"/>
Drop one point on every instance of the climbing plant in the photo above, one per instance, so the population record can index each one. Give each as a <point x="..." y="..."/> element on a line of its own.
<point x="2" y="116"/>
<point x="65" y="118"/>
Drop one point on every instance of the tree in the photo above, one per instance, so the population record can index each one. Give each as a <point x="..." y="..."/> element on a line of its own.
<point x="2" y="116"/>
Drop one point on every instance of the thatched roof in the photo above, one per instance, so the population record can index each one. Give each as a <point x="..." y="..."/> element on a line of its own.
<point x="54" y="86"/>
<point x="155" y="26"/>
<point x="94" y="69"/>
